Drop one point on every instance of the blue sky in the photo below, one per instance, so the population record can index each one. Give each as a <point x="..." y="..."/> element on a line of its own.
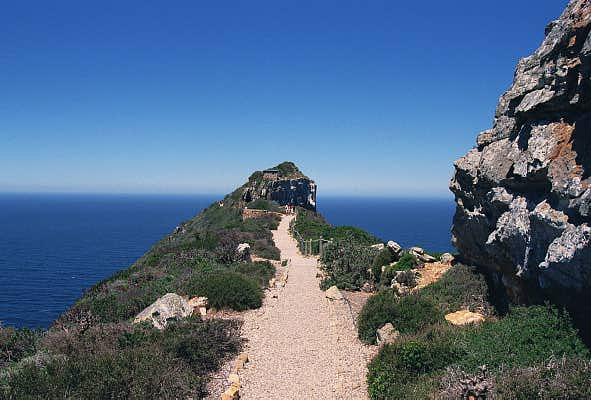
<point x="367" y="97"/>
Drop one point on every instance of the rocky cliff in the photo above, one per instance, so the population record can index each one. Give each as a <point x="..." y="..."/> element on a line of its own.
<point x="523" y="194"/>
<point x="285" y="184"/>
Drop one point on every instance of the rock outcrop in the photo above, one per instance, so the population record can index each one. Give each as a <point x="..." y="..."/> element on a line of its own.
<point x="523" y="194"/>
<point x="284" y="184"/>
<point x="170" y="306"/>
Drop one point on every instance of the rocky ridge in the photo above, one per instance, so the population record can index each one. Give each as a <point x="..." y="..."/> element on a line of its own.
<point x="284" y="184"/>
<point x="523" y="194"/>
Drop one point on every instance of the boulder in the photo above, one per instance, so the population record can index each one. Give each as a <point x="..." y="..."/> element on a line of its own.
<point x="387" y="334"/>
<point x="523" y="194"/>
<point x="446" y="258"/>
<point x="243" y="251"/>
<point x="394" y="247"/>
<point x="464" y="317"/>
<point x="421" y="255"/>
<point x="169" y="306"/>
<point x="333" y="293"/>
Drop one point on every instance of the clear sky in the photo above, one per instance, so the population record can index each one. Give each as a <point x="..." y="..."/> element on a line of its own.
<point x="367" y="97"/>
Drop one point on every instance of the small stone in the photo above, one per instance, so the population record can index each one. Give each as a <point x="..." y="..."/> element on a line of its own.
<point x="272" y="282"/>
<point x="446" y="258"/>
<point x="232" y="393"/>
<point x="464" y="317"/>
<point x="387" y="334"/>
<point x="394" y="247"/>
<point x="234" y="378"/>
<point x="333" y="293"/>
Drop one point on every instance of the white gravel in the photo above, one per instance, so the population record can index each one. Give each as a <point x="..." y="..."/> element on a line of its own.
<point x="300" y="344"/>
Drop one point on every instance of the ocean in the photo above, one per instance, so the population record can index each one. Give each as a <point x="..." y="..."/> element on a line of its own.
<point x="54" y="246"/>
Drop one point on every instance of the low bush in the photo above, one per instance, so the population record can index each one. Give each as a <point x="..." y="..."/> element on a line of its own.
<point x="561" y="378"/>
<point x="120" y="361"/>
<point x="262" y="204"/>
<point x="461" y="287"/>
<point x="394" y="371"/>
<point x="384" y="257"/>
<point x="526" y="337"/>
<point x="259" y="271"/>
<point x="225" y="289"/>
<point x="16" y="344"/>
<point x="408" y="314"/>
<point x="406" y="262"/>
<point x="346" y="264"/>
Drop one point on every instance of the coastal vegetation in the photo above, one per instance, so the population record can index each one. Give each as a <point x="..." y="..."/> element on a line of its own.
<point x="432" y="357"/>
<point x="93" y="350"/>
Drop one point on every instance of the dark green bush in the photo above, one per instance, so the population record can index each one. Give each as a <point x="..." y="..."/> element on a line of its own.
<point x="225" y="289"/>
<point x="408" y="314"/>
<point x="406" y="262"/>
<point x="16" y="344"/>
<point x="384" y="257"/>
<point x="259" y="271"/>
<point x="346" y="264"/>
<point x="392" y="373"/>
<point x="311" y="225"/>
<point x="526" y="337"/>
<point x="262" y="204"/>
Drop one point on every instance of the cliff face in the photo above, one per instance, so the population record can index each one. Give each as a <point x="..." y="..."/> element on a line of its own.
<point x="285" y="184"/>
<point x="523" y="194"/>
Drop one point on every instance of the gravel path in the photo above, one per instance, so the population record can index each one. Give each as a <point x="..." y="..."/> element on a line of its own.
<point x="300" y="344"/>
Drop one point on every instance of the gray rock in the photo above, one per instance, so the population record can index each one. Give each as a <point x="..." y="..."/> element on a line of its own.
<point x="394" y="247"/>
<point x="169" y="306"/>
<point x="523" y="193"/>
<point x="333" y="293"/>
<point x="446" y="258"/>
<point x="387" y="334"/>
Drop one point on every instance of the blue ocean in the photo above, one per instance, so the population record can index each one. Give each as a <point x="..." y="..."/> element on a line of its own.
<point x="52" y="246"/>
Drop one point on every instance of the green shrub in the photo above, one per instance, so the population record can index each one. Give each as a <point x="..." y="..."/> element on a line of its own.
<point x="408" y="314"/>
<point x="259" y="271"/>
<point x="392" y="373"/>
<point x="460" y="287"/>
<point x="526" y="337"/>
<point x="406" y="262"/>
<point x="225" y="289"/>
<point x="561" y="378"/>
<point x="262" y="204"/>
<point x="384" y="257"/>
<point x="119" y="361"/>
<point x="311" y="225"/>
<point x="16" y="344"/>
<point x="346" y="264"/>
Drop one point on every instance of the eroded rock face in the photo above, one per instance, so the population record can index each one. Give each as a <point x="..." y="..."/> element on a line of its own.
<point x="523" y="193"/>
<point x="285" y="184"/>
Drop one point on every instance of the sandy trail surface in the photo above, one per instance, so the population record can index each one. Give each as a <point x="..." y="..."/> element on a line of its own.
<point x="300" y="344"/>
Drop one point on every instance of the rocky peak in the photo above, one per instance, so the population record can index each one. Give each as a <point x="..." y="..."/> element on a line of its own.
<point x="284" y="183"/>
<point x="523" y="194"/>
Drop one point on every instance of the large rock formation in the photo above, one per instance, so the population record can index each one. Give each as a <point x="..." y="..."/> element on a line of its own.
<point x="523" y="194"/>
<point x="285" y="184"/>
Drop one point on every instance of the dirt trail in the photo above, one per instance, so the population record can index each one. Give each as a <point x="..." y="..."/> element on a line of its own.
<point x="301" y="345"/>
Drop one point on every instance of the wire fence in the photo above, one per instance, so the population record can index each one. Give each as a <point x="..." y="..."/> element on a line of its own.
<point x="315" y="247"/>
